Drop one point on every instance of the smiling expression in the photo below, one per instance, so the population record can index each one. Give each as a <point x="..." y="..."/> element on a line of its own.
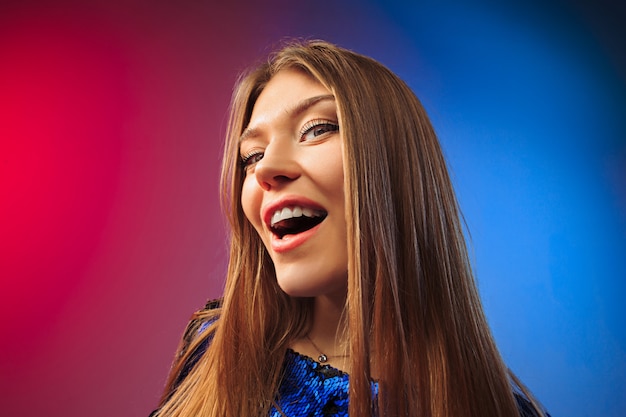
<point x="293" y="191"/>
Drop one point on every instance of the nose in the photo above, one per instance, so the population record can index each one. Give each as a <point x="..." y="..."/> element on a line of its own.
<point x="278" y="167"/>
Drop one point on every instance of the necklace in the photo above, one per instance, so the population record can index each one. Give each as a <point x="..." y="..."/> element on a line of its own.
<point x="322" y="358"/>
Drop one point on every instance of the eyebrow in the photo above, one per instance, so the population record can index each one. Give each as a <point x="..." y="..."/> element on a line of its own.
<point x="299" y="108"/>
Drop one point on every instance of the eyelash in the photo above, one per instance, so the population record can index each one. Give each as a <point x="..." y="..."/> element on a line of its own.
<point x="310" y="126"/>
<point x="246" y="160"/>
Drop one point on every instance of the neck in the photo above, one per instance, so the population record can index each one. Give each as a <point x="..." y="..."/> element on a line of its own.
<point x="327" y="327"/>
<point x="325" y="334"/>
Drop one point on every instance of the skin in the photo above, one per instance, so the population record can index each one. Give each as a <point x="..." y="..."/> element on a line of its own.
<point x="292" y="149"/>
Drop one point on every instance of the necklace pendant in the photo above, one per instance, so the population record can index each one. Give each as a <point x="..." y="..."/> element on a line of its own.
<point x="322" y="358"/>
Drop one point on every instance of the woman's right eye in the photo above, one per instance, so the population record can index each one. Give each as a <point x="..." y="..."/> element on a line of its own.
<point x="251" y="159"/>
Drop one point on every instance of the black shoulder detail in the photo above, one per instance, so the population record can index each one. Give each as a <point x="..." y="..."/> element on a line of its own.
<point x="213" y="304"/>
<point x="198" y="323"/>
<point x="525" y="407"/>
<point x="195" y="327"/>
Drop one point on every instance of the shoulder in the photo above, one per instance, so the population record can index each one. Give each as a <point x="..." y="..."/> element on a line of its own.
<point x="195" y="342"/>
<point x="526" y="408"/>
<point x="202" y="316"/>
<point x="199" y="322"/>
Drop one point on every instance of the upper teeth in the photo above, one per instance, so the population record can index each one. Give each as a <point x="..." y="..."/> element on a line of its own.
<point x="290" y="212"/>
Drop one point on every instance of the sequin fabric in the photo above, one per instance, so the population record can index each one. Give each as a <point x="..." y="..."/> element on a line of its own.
<point x="307" y="388"/>
<point x="311" y="389"/>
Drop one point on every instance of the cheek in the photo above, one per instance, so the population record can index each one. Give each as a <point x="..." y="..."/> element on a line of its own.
<point x="334" y="179"/>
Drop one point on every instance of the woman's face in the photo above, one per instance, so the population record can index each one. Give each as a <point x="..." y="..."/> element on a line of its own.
<point x="293" y="191"/>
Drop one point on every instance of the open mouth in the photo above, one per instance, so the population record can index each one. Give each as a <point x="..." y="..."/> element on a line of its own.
<point x="294" y="220"/>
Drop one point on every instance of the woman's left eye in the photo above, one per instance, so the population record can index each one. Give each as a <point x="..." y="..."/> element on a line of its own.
<point x="316" y="128"/>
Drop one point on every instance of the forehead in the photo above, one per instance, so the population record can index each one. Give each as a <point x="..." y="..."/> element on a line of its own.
<point x="282" y="95"/>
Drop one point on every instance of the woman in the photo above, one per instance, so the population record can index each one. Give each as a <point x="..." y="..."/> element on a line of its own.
<point x="346" y="247"/>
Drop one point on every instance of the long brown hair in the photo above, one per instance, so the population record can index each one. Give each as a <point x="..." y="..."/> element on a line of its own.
<point x="413" y="312"/>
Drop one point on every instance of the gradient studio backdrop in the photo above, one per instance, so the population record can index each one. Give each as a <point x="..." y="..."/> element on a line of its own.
<point x="111" y="121"/>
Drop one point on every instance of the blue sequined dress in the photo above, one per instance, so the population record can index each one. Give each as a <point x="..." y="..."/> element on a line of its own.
<point x="307" y="388"/>
<point x="311" y="389"/>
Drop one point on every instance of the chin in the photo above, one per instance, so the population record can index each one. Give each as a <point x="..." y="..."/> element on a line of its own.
<point x="311" y="287"/>
<point x="292" y="289"/>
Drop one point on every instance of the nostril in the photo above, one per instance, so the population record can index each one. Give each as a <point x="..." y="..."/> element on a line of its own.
<point x="282" y="178"/>
<point x="278" y="166"/>
<point x="269" y="178"/>
<point x="275" y="181"/>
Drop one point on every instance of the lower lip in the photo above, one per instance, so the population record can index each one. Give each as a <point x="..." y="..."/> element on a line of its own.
<point x="290" y="242"/>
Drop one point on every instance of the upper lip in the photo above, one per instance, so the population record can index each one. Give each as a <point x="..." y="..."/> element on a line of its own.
<point x="288" y="201"/>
